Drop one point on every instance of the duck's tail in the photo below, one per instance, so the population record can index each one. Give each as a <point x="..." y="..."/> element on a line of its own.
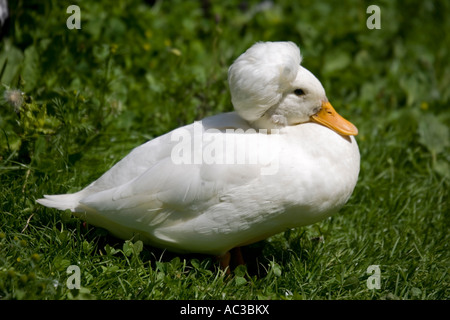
<point x="62" y="201"/>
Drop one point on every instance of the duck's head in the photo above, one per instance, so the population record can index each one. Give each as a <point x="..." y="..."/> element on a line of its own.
<point x="270" y="89"/>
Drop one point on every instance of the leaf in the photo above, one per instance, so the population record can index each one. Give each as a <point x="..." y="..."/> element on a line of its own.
<point x="160" y="266"/>
<point x="30" y="72"/>
<point x="11" y="59"/>
<point x="351" y="282"/>
<point x="131" y="248"/>
<point x="60" y="263"/>
<point x="138" y="246"/>
<point x="434" y="135"/>
<point x="442" y="167"/>
<point x="127" y="248"/>
<point x="86" y="246"/>
<point x="195" y="263"/>
<point x="416" y="292"/>
<point x="276" y="269"/>
<point x="110" y="250"/>
<point x="64" y="235"/>
<point x="110" y="269"/>
<point x="240" y="280"/>
<point x="336" y="62"/>
<point x="175" y="263"/>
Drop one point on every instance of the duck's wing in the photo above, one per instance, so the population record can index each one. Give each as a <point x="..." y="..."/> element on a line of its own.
<point x="167" y="191"/>
<point x="140" y="159"/>
<point x="155" y="183"/>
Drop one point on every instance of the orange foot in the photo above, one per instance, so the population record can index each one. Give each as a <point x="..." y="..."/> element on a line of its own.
<point x="234" y="256"/>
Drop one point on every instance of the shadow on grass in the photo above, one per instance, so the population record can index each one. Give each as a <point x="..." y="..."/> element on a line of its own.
<point x="258" y="257"/>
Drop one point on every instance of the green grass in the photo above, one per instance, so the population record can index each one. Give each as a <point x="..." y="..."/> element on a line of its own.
<point x="135" y="71"/>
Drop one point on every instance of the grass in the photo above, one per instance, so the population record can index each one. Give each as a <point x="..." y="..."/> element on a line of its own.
<point x="136" y="70"/>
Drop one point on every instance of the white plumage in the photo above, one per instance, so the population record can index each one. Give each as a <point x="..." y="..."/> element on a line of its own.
<point x="207" y="197"/>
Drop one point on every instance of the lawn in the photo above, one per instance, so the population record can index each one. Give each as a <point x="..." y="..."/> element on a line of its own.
<point x="75" y="101"/>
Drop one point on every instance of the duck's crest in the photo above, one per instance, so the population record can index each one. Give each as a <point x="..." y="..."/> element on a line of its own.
<point x="259" y="76"/>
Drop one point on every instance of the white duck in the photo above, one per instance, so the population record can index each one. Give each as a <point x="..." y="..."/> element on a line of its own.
<point x="169" y="194"/>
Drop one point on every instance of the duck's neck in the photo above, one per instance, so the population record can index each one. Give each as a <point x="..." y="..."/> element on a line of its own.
<point x="269" y="122"/>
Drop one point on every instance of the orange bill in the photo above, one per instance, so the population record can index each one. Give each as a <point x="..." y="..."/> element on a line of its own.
<point x="328" y="117"/>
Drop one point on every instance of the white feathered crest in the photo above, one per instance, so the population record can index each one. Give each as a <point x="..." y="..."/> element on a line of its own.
<point x="258" y="77"/>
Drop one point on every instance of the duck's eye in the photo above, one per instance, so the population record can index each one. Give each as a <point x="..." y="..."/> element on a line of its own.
<point x="299" y="92"/>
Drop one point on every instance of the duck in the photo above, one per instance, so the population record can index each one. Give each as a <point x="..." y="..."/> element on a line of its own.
<point x="283" y="159"/>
